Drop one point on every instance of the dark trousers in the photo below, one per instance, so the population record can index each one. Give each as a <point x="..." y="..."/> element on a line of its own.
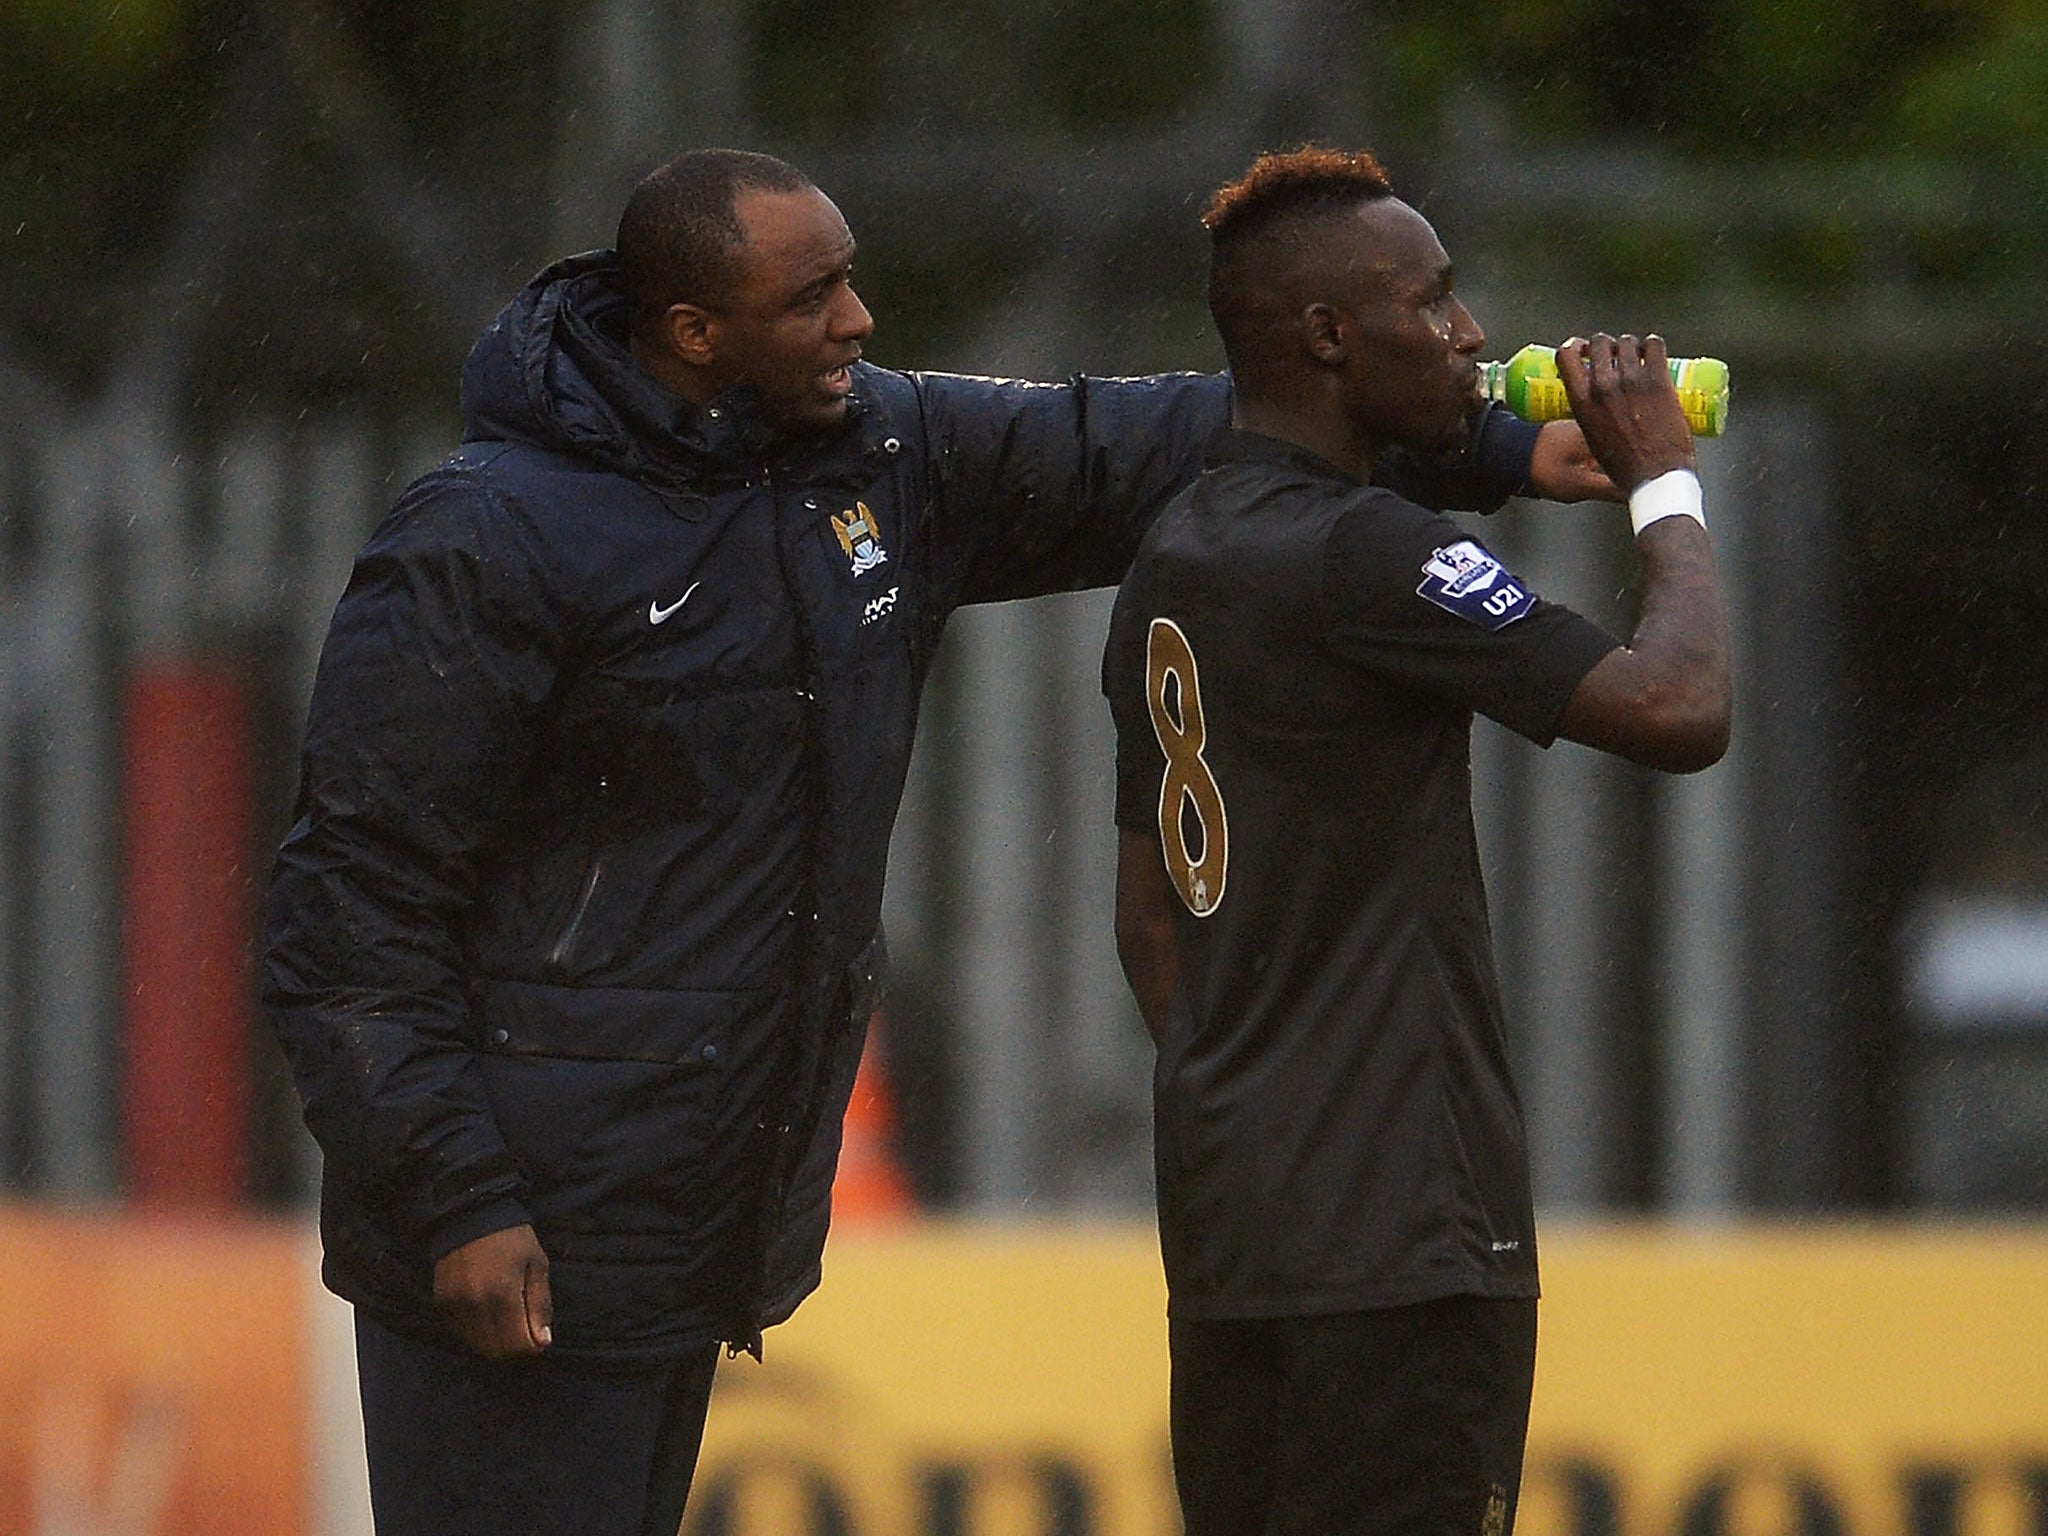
<point x="463" y="1446"/>
<point x="1406" y="1421"/>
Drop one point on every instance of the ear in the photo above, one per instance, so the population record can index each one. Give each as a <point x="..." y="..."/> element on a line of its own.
<point x="690" y="332"/>
<point x="1322" y="334"/>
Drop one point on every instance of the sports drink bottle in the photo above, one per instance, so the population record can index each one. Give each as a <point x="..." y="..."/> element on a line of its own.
<point x="1528" y="385"/>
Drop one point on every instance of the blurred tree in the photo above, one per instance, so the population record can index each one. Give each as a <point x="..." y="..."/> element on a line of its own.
<point x="1120" y="61"/>
<point x="1735" y="79"/>
<point x="300" y="201"/>
<point x="1830" y="190"/>
<point x="103" y="105"/>
<point x="1988" y="99"/>
<point x="815" y="61"/>
<point x="263" y="181"/>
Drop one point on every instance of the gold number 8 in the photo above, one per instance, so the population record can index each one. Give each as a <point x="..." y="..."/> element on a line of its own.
<point x="1188" y="783"/>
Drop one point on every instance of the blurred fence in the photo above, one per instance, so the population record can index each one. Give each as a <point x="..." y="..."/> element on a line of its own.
<point x="164" y="602"/>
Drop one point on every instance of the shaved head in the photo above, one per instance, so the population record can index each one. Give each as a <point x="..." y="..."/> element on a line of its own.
<point x="680" y="235"/>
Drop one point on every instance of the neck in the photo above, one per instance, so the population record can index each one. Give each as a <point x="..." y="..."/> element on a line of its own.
<point x="1324" y="433"/>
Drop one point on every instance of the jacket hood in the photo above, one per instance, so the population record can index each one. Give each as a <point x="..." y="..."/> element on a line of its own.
<point x="554" y="369"/>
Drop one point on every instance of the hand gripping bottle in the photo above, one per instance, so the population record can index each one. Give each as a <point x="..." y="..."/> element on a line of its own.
<point x="1528" y="385"/>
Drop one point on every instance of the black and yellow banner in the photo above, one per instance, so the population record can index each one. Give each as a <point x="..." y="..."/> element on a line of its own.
<point x="165" y="1379"/>
<point x="1798" y="1382"/>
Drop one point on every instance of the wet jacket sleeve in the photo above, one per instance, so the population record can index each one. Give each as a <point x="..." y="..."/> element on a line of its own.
<point x="436" y="664"/>
<point x="1047" y="487"/>
<point x="1493" y="465"/>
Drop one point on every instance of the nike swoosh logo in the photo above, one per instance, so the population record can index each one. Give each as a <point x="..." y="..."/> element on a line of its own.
<point x="656" y="613"/>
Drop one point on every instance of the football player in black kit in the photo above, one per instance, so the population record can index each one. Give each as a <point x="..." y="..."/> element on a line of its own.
<point x="1294" y="663"/>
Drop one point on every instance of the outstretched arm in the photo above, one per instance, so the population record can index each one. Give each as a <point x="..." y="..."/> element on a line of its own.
<point x="1144" y="928"/>
<point x="1665" y="699"/>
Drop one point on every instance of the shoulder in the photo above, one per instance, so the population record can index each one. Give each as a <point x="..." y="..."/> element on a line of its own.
<point x="1389" y="560"/>
<point x="894" y="398"/>
<point x="1379" y="531"/>
<point x="520" y="521"/>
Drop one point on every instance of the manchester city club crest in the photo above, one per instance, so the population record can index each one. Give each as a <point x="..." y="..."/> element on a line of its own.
<point x="860" y="537"/>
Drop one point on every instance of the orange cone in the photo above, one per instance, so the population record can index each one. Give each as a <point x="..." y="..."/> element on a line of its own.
<point x="870" y="1186"/>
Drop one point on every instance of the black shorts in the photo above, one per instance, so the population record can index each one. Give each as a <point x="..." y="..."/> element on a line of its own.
<point x="1405" y="1421"/>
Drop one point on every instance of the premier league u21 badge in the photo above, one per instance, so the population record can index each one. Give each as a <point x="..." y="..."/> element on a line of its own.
<point x="1464" y="579"/>
<point x="860" y="537"/>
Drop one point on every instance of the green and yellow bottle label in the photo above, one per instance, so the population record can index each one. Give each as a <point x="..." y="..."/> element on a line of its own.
<point x="1528" y="385"/>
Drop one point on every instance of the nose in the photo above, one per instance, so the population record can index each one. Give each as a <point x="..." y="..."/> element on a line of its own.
<point x="853" y="322"/>
<point x="1466" y="336"/>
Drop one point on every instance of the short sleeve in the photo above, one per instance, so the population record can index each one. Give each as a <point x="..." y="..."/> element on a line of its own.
<point x="1412" y="598"/>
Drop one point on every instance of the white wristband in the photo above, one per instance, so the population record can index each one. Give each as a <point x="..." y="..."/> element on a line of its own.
<point x="1675" y="493"/>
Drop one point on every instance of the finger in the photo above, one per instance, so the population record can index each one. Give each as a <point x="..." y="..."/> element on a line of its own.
<point x="493" y="1328"/>
<point x="539" y="1305"/>
<point x="471" y="1321"/>
<point x="492" y="1321"/>
<point x="1655" y="355"/>
<point x="1603" y="357"/>
<point x="1631" y="358"/>
<point x="1572" y="370"/>
<point x="509" y="1334"/>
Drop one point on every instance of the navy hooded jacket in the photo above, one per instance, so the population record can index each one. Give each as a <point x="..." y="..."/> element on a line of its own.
<point x="578" y="923"/>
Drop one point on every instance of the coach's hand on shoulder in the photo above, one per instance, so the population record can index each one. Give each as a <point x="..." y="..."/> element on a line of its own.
<point x="1562" y="466"/>
<point x="493" y="1291"/>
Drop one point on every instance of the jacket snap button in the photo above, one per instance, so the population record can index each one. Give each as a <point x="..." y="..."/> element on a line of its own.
<point x="501" y="1036"/>
<point x="891" y="445"/>
<point x="709" y="1053"/>
<point x="811" y="503"/>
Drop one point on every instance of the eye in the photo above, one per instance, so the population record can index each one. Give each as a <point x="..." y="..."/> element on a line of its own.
<point x="814" y="297"/>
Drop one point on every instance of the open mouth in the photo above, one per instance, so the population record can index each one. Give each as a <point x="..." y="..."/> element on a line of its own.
<point x="837" y="382"/>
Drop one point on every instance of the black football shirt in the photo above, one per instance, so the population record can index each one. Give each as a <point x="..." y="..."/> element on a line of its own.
<point x="1293" y="666"/>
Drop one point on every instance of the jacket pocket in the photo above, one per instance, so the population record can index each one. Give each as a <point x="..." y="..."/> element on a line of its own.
<point x="607" y="1100"/>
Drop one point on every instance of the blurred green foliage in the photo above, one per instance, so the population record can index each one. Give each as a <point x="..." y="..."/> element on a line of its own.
<point x="100" y="106"/>
<point x="814" y="60"/>
<point x="1101" y="64"/>
<point x="114" y="114"/>
<point x="1865" y="174"/>
<point x="108" y="107"/>
<point x="63" y="53"/>
<point x="1737" y="79"/>
<point x="1123" y="61"/>
<point x="1989" y="98"/>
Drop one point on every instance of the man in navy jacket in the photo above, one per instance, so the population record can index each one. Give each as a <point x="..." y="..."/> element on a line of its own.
<point x="574" y="939"/>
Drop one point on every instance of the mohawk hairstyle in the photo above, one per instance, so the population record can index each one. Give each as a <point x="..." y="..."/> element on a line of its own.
<point x="1255" y="234"/>
<point x="1305" y="180"/>
<point x="680" y="230"/>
